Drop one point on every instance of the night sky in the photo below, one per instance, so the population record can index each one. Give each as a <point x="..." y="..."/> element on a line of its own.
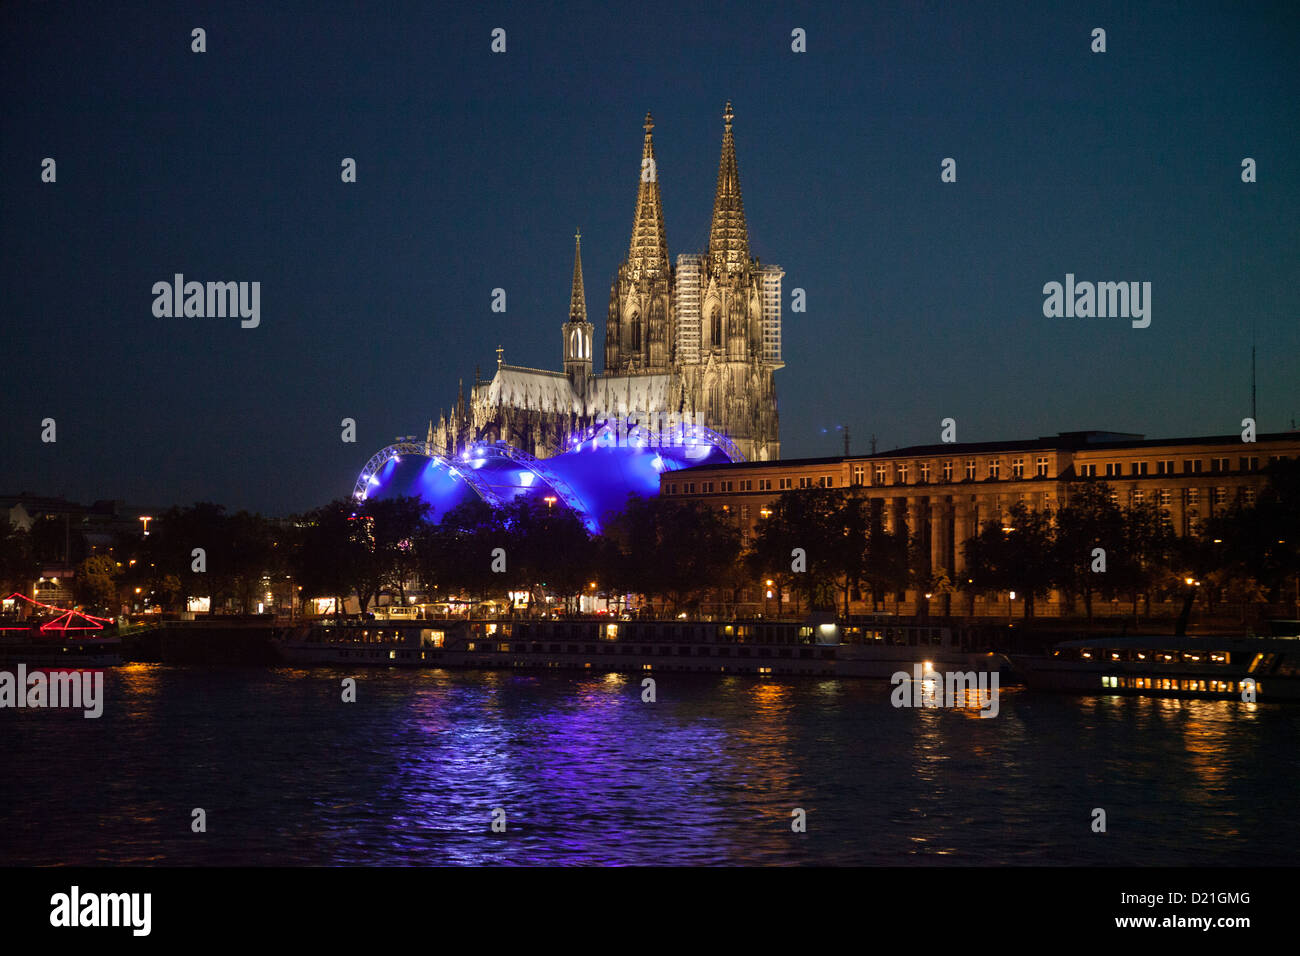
<point x="474" y="169"/>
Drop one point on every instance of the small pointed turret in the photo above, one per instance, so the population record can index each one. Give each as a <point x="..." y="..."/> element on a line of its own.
<point x="728" y="236"/>
<point x="577" y="297"/>
<point x="648" y="254"/>
<point x="577" y="331"/>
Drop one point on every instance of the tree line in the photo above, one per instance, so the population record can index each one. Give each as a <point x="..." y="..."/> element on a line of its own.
<point x="825" y="547"/>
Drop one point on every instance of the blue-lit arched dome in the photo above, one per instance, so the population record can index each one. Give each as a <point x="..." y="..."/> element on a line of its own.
<point x="593" y="478"/>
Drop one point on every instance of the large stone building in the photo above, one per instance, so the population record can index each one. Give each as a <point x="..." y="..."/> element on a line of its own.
<point x="697" y="340"/>
<point x="944" y="493"/>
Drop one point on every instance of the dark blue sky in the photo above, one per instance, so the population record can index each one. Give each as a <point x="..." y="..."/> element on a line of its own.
<point x="924" y="299"/>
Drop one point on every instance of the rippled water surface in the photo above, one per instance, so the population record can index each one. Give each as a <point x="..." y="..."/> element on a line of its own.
<point x="589" y="774"/>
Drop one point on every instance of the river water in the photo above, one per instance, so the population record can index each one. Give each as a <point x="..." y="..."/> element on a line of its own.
<point x="585" y="772"/>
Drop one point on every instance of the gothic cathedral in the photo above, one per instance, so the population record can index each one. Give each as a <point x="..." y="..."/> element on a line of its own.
<point x="697" y="340"/>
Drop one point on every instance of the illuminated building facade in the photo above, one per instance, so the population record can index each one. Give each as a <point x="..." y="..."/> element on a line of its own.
<point x="697" y="341"/>
<point x="944" y="493"/>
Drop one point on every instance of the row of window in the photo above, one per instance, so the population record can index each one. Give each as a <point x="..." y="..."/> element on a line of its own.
<point x="925" y="472"/>
<point x="1191" y="466"/>
<point x="751" y="484"/>
<point x="1172" y="683"/>
<point x="1164" y="497"/>
<point x="903" y="472"/>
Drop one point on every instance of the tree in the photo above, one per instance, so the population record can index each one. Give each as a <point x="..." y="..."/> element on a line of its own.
<point x="1262" y="541"/>
<point x="57" y="540"/>
<point x="671" y="550"/>
<point x="329" y="552"/>
<point x="95" y="583"/>
<point x="389" y="527"/>
<point x="18" y="564"/>
<point x="1016" y="556"/>
<point x="815" y="522"/>
<point x="1145" y="552"/>
<point x="170" y="550"/>
<point x="549" y="550"/>
<point x="1087" y="521"/>
<point x="457" y="555"/>
<point x="889" y="558"/>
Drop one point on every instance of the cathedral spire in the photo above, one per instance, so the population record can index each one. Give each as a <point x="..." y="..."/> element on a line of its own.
<point x="578" y="297"/>
<point x="649" y="250"/>
<point x="728" y="236"/>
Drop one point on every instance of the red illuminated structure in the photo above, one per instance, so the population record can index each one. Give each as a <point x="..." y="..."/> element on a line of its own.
<point x="67" y="620"/>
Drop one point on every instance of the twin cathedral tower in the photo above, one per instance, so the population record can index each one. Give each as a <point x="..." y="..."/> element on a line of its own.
<point x="696" y="340"/>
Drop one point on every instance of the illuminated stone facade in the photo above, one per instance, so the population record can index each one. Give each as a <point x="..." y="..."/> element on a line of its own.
<point x="698" y="340"/>
<point x="944" y="493"/>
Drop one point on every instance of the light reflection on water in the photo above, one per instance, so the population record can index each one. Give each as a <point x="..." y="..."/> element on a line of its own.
<point x="588" y="773"/>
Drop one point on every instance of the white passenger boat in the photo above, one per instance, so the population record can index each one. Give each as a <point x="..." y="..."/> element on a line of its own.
<point x="737" y="647"/>
<point x="1202" y="666"/>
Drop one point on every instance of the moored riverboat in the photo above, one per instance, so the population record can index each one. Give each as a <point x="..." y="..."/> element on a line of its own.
<point x="822" y="648"/>
<point x="37" y="648"/>
<point x="1230" y="667"/>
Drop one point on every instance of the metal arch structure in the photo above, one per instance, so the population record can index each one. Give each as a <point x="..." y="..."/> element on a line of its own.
<point x="681" y="434"/>
<point x="367" y="477"/>
<point x="626" y="456"/>
<point x="717" y="440"/>
<point x="552" y="480"/>
<point x="381" y="458"/>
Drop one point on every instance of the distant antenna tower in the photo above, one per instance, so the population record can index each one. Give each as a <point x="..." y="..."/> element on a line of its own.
<point x="873" y="444"/>
<point x="1252" y="383"/>
<point x="846" y="441"/>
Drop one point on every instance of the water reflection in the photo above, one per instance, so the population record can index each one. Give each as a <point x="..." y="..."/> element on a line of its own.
<point x="586" y="770"/>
